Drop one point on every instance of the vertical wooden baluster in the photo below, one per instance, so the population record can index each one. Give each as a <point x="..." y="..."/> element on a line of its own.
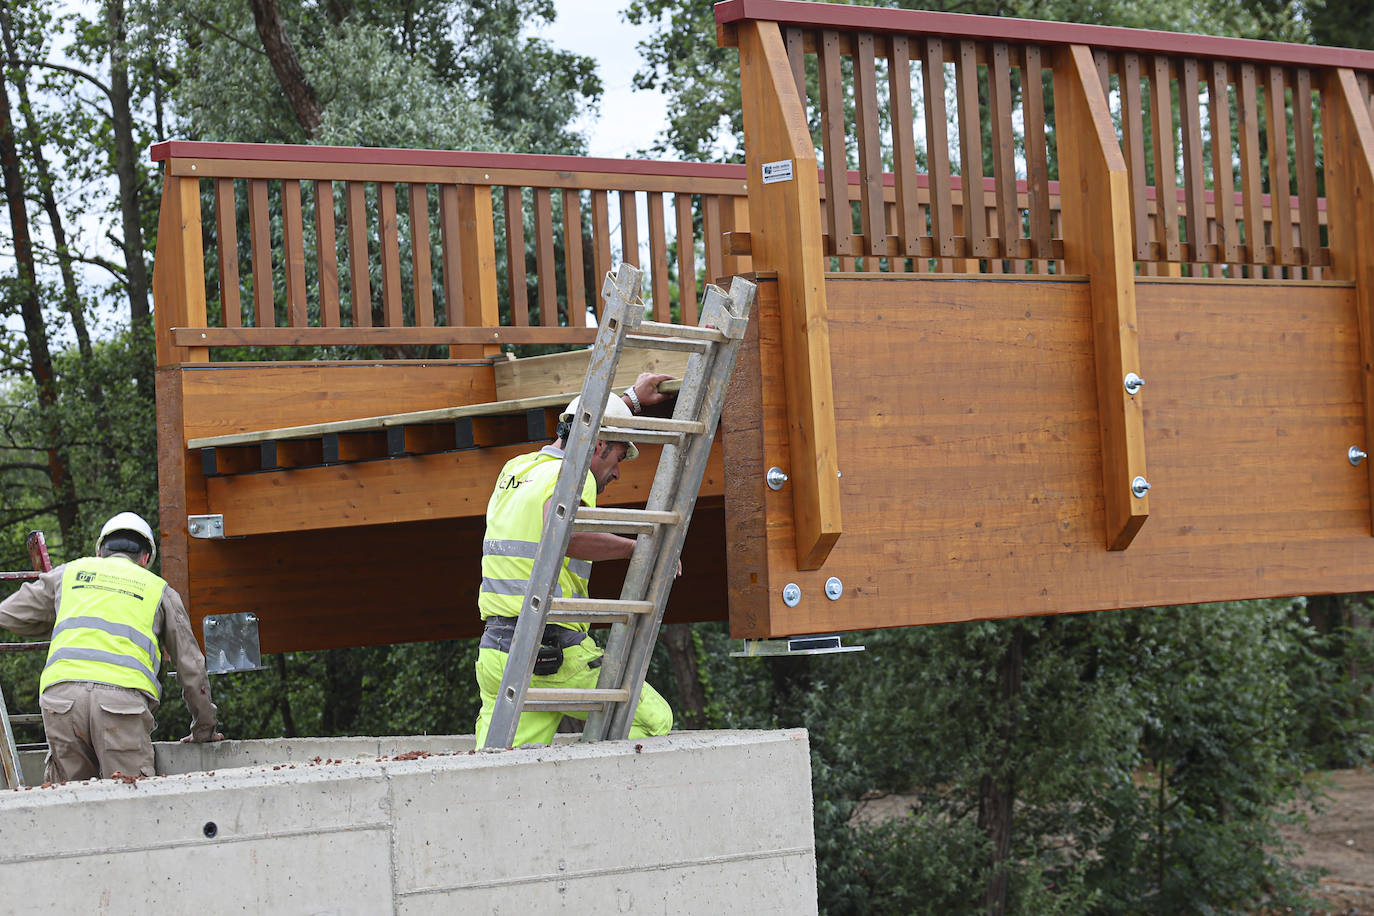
<point x="572" y="258"/>
<point x="1280" y="201"/>
<point x="910" y="225"/>
<point x="1133" y="130"/>
<point x="1223" y="178"/>
<point x="387" y="234"/>
<point x="1247" y="112"/>
<point x="734" y="217"/>
<point x="1003" y="151"/>
<point x="1306" y="155"/>
<point x="686" y="259"/>
<point x="420" y="255"/>
<point x="601" y="244"/>
<point x="450" y="255"/>
<point x="629" y="229"/>
<point x="710" y="237"/>
<point x="515" y="258"/>
<point x="937" y="148"/>
<point x="544" y="258"/>
<point x="839" y="219"/>
<point x="1166" y="179"/>
<point x="871" y="218"/>
<point x="260" y="241"/>
<point x="327" y="254"/>
<point x="971" y="151"/>
<point x="658" y="259"/>
<point x="227" y="241"/>
<point x="358" y="268"/>
<point x="1037" y="156"/>
<point x="794" y="39"/>
<point x="1194" y="184"/>
<point x="293" y="252"/>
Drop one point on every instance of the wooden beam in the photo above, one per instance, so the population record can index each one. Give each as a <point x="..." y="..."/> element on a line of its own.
<point x="1096" y="213"/>
<point x="201" y="337"/>
<point x="417" y="488"/>
<point x="1349" y="139"/>
<point x="785" y="220"/>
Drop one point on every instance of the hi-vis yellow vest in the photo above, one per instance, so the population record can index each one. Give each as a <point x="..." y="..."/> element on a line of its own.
<point x="104" y="628"/>
<point x="515" y="519"/>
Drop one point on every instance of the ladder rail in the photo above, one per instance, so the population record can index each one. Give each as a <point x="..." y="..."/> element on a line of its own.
<point x="653" y="567"/>
<point x="10" y="768"/>
<point x="624" y="311"/>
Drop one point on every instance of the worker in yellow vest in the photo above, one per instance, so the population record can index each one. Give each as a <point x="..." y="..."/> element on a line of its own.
<point x="111" y="619"/>
<point x="569" y="658"/>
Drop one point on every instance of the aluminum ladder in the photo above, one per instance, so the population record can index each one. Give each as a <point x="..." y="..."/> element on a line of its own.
<point x="10" y="770"/>
<point x="660" y="528"/>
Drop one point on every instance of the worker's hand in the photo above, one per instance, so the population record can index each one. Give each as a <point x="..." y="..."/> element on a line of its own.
<point x="646" y="388"/>
<point x="678" y="575"/>
<point x="192" y="739"/>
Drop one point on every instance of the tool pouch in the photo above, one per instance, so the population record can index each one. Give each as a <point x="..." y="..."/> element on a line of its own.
<point x="550" y="657"/>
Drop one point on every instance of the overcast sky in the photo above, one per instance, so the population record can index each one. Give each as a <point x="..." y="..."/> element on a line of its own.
<point x="630" y="119"/>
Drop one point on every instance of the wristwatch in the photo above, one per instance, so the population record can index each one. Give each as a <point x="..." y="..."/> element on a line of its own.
<point x="635" y="406"/>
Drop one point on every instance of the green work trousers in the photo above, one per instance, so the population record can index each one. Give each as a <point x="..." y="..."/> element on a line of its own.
<point x="653" y="716"/>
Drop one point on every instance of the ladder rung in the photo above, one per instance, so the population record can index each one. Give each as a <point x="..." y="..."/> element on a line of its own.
<point x="628" y="521"/>
<point x="555" y="698"/>
<point x="667" y="343"/>
<point x="27" y="719"/>
<point x="686" y="331"/>
<point x="660" y="424"/>
<point x="596" y="610"/>
<point x="620" y="434"/>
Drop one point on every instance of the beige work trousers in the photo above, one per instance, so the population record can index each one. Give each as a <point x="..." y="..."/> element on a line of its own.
<point x="96" y="730"/>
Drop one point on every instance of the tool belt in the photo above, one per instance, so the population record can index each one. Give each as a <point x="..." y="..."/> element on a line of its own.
<point x="500" y="632"/>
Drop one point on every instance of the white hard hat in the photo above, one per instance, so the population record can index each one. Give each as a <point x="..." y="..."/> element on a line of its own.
<point x="128" y="521"/>
<point x="615" y="408"/>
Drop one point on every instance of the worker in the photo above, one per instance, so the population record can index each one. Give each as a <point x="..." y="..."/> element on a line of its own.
<point x="110" y="620"/>
<point x="568" y="657"/>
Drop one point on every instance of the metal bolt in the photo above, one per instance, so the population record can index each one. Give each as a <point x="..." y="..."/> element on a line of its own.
<point x="212" y="623"/>
<point x="1133" y="383"/>
<point x="776" y="478"/>
<point x="1139" y="487"/>
<point x="834" y="588"/>
<point x="791" y="594"/>
<point x="1356" y="455"/>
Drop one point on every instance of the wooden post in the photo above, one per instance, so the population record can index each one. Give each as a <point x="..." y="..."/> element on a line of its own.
<point x="787" y="238"/>
<point x="477" y="256"/>
<point x="179" y="269"/>
<point x="1349" y="139"/>
<point x="1095" y="211"/>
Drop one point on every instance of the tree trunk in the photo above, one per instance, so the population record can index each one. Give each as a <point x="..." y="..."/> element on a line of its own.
<point x="997" y="791"/>
<point x="682" y="653"/>
<point x="40" y="356"/>
<point x="126" y="170"/>
<point x="290" y="74"/>
<point x="288" y="721"/>
<point x="343" y="691"/>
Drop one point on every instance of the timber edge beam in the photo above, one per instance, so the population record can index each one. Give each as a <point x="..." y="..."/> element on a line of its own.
<point x="1096" y="212"/>
<point x="775" y="131"/>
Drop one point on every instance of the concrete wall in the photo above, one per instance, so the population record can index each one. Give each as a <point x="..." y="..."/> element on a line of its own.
<point x="695" y="822"/>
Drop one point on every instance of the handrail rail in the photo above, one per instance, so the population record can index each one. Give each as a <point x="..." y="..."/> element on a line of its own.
<point x="1038" y="31"/>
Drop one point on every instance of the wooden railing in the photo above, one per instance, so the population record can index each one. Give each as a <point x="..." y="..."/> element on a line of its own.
<point x="414" y="247"/>
<point x="877" y="86"/>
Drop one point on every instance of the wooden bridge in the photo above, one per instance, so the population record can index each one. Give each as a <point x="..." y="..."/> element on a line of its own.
<point x="944" y="363"/>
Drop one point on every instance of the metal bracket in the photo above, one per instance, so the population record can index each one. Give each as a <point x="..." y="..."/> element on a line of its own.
<point x="209" y="527"/>
<point x="818" y="644"/>
<point x="231" y="643"/>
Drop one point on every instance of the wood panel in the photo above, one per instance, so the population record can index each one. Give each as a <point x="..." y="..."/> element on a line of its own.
<point x="445" y="485"/>
<point x="971" y="494"/>
<point x="222" y="400"/>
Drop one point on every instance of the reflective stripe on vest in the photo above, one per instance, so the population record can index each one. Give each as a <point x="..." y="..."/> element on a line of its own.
<point x="104" y="628"/>
<point x="515" y="521"/>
